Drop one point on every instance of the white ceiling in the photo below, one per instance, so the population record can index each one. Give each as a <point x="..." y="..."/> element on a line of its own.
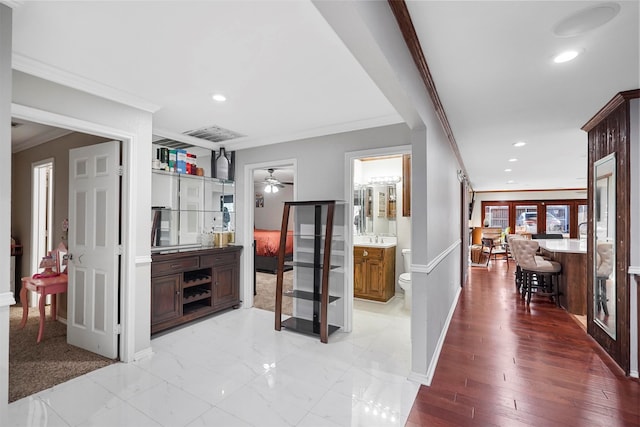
<point x="287" y="75"/>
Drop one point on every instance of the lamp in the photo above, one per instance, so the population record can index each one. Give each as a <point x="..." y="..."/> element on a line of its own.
<point x="270" y="188"/>
<point x="48" y="263"/>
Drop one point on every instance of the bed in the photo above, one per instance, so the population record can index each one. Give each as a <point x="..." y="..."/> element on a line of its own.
<point x="267" y="246"/>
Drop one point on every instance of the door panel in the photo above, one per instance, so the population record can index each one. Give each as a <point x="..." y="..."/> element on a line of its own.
<point x="225" y="289"/>
<point x="359" y="280"/>
<point x="375" y="277"/>
<point x="166" y="301"/>
<point x="94" y="211"/>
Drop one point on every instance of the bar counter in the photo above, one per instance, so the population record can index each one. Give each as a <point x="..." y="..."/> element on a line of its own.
<point x="572" y="254"/>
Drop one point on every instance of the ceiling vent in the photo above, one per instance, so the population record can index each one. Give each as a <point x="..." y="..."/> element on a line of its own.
<point x="212" y="133"/>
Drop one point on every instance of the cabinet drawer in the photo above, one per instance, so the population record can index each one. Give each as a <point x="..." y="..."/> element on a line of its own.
<point x="360" y="251"/>
<point x="181" y="264"/>
<point x="217" y="259"/>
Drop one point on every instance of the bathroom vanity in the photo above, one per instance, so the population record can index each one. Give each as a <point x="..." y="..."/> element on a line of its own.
<point x="374" y="271"/>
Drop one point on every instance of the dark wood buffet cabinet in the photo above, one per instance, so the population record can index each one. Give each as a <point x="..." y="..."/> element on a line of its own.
<point x="191" y="284"/>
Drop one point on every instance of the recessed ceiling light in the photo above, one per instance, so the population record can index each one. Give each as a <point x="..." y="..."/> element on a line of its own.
<point x="513" y="160"/>
<point x="565" y="56"/>
<point x="219" y="97"/>
<point x="511" y="181"/>
<point x="519" y="144"/>
<point x="507" y="170"/>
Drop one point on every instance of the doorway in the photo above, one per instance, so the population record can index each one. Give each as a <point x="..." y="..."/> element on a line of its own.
<point x="254" y="185"/>
<point x="375" y="193"/>
<point x="56" y="149"/>
<point x="273" y="186"/>
<point x="41" y="214"/>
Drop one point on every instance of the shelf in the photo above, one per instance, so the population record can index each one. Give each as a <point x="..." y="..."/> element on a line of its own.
<point x="314" y="240"/>
<point x="195" y="307"/>
<point x="189" y="297"/>
<point x="307" y="295"/>
<point x="195" y="281"/>
<point x="305" y="326"/>
<point x="309" y="265"/>
<point x="189" y="176"/>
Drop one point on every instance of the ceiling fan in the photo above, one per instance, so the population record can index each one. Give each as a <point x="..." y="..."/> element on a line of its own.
<point x="272" y="185"/>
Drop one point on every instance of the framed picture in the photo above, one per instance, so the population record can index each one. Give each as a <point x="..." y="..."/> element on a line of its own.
<point x="259" y="200"/>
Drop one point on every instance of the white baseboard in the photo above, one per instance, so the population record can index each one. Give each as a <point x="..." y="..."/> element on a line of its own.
<point x="436" y="354"/>
<point x="420" y="378"/>
<point x="6" y="299"/>
<point x="634" y="374"/>
<point x="147" y="352"/>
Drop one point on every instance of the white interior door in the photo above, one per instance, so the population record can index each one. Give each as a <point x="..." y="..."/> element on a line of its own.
<point x="94" y="213"/>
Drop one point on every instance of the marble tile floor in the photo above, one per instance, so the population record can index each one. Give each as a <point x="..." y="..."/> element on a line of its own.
<point x="234" y="369"/>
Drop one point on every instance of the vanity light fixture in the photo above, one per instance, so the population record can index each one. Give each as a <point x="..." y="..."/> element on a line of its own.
<point x="513" y="160"/>
<point x="565" y="56"/>
<point x="511" y="181"/>
<point x="519" y="144"/>
<point x="507" y="170"/>
<point x="219" y="97"/>
<point x="384" y="180"/>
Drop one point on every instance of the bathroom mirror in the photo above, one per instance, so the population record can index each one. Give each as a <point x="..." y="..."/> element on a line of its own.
<point x="374" y="210"/>
<point x="604" y="238"/>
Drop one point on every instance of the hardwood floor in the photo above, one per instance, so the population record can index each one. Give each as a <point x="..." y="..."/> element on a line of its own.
<point x="505" y="363"/>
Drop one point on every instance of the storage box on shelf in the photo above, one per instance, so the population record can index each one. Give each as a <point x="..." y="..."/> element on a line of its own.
<point x="318" y="268"/>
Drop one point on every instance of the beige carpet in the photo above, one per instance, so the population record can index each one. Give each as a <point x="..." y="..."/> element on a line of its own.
<point x="265" y="297"/>
<point x="35" y="367"/>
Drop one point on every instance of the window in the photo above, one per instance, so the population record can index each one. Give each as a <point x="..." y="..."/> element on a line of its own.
<point x="526" y="218"/>
<point x="558" y="219"/>
<point x="496" y="216"/>
<point x="568" y="217"/>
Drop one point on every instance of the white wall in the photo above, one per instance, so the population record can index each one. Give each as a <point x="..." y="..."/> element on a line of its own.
<point x="320" y="172"/>
<point x="269" y="217"/>
<point x="6" y="297"/>
<point x="476" y="218"/>
<point x="371" y="32"/>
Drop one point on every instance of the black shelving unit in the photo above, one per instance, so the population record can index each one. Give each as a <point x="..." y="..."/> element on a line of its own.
<point x="320" y="266"/>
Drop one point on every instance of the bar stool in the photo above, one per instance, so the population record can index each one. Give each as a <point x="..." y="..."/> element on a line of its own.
<point x="537" y="274"/>
<point x="513" y="250"/>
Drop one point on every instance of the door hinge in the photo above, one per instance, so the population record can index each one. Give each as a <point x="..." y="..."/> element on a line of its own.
<point x="119" y="250"/>
<point x="120" y="170"/>
<point x="118" y="329"/>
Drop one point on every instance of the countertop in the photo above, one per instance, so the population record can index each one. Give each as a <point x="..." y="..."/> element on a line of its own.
<point x="576" y="246"/>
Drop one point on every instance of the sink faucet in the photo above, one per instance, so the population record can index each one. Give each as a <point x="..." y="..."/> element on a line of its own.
<point x="376" y="238"/>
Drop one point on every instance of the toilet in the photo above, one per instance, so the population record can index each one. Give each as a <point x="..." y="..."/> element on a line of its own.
<point x="405" y="278"/>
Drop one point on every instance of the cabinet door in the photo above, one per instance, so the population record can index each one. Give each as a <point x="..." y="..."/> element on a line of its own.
<point x="375" y="278"/>
<point x="166" y="300"/>
<point x="359" y="277"/>
<point x="226" y="285"/>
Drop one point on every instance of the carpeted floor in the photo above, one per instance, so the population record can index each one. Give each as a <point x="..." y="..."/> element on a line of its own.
<point x="265" y="297"/>
<point x="35" y="367"/>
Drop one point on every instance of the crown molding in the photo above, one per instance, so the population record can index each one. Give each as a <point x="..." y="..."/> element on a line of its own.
<point x="13" y="3"/>
<point x="40" y="69"/>
<point x="40" y="139"/>
<point x="405" y="24"/>
<point x="251" y="142"/>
